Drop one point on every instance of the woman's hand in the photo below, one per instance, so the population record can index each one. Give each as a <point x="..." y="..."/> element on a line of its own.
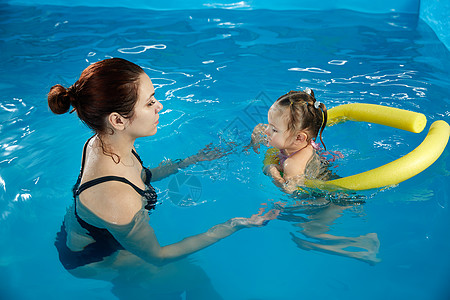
<point x="169" y="167"/>
<point x="256" y="220"/>
<point x="208" y="153"/>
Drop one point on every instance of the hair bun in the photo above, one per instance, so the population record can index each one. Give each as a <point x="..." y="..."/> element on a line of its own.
<point x="59" y="99"/>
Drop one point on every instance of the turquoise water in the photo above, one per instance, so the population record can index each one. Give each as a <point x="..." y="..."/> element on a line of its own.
<point x="216" y="71"/>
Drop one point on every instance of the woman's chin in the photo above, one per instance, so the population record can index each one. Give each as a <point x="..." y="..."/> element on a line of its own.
<point x="153" y="132"/>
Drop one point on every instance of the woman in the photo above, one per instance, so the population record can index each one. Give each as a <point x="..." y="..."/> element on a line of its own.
<point x="107" y="230"/>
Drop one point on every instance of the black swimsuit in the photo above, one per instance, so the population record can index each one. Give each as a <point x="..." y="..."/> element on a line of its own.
<point x="104" y="243"/>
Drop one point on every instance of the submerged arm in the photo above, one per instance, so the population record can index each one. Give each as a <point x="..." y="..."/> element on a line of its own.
<point x="169" y="167"/>
<point x="142" y="241"/>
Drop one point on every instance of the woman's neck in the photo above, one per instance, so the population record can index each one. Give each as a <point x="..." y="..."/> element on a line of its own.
<point x="117" y="144"/>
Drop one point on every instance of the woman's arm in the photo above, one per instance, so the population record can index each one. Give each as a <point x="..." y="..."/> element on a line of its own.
<point x="118" y="208"/>
<point x="194" y="243"/>
<point x="169" y="167"/>
<point x="142" y="241"/>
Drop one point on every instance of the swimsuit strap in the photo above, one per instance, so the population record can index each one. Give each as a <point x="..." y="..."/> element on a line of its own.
<point x="83" y="158"/>
<point x="77" y="189"/>
<point x="148" y="173"/>
<point x="283" y="156"/>
<point x="295" y="152"/>
<point x="137" y="156"/>
<point x="99" y="180"/>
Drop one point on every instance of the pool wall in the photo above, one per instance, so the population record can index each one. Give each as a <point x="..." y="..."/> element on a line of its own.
<point x="434" y="12"/>
<point x="380" y="6"/>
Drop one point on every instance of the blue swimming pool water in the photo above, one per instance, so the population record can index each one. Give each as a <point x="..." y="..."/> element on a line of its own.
<point x="215" y="72"/>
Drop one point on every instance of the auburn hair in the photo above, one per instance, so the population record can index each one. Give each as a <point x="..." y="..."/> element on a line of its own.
<point x="107" y="86"/>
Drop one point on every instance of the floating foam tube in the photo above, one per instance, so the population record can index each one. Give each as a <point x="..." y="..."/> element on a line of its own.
<point x="384" y="115"/>
<point x="396" y="171"/>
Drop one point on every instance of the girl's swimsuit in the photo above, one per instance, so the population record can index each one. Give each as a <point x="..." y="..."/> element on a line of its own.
<point x="104" y="244"/>
<point x="283" y="156"/>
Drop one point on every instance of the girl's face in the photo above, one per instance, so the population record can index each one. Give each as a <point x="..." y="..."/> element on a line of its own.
<point x="146" y="111"/>
<point x="277" y="131"/>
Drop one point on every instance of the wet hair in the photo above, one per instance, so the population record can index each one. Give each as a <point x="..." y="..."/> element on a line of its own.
<point x="107" y="86"/>
<point x="303" y="114"/>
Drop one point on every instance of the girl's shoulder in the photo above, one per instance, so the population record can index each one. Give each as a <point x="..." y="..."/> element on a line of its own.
<point x="296" y="164"/>
<point x="303" y="156"/>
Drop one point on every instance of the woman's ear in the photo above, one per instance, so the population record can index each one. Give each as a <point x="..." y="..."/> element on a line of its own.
<point x="117" y="121"/>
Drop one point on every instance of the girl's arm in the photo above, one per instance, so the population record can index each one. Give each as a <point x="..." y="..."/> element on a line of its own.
<point x="289" y="182"/>
<point x="294" y="174"/>
<point x="274" y="171"/>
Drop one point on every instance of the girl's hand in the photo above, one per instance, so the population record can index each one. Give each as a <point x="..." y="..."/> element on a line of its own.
<point x="274" y="171"/>
<point x="256" y="220"/>
<point x="258" y="137"/>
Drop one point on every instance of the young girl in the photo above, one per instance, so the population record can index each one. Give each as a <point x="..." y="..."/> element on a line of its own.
<point x="295" y="121"/>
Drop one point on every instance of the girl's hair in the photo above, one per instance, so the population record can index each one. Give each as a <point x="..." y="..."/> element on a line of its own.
<point x="305" y="113"/>
<point x="107" y="86"/>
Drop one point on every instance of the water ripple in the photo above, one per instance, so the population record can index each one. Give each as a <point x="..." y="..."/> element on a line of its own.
<point x="406" y="84"/>
<point x="311" y="70"/>
<point x="141" y="49"/>
<point x="236" y="5"/>
<point x="337" y="62"/>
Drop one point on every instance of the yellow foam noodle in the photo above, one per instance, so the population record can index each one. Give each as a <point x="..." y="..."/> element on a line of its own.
<point x="384" y="115"/>
<point x="396" y="171"/>
<point x="399" y="170"/>
<point x="271" y="156"/>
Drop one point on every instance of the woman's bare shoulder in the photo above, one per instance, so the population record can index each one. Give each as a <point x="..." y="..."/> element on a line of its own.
<point x="112" y="201"/>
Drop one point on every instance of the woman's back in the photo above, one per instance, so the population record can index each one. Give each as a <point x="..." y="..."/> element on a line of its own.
<point x="111" y="200"/>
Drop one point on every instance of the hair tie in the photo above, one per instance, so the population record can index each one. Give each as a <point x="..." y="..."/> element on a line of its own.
<point x="71" y="90"/>
<point x="308" y="91"/>
<point x="315" y="145"/>
<point x="73" y="97"/>
<point x="317" y="104"/>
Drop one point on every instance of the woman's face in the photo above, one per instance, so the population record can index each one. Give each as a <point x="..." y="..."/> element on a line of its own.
<point x="277" y="131"/>
<point x="146" y="111"/>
